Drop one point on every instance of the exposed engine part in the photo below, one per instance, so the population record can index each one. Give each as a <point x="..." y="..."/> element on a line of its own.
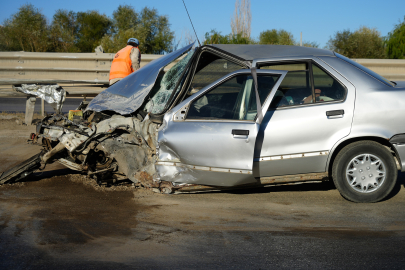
<point x="53" y="152"/>
<point x="102" y="146"/>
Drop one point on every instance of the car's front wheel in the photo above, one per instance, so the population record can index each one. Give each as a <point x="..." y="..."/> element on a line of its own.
<point x="364" y="171"/>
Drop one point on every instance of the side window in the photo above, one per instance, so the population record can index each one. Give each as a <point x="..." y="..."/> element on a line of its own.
<point x="235" y="99"/>
<point x="210" y="68"/>
<point x="326" y="87"/>
<point x="296" y="87"/>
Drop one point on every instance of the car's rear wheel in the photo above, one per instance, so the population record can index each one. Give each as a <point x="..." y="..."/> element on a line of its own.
<point x="364" y="171"/>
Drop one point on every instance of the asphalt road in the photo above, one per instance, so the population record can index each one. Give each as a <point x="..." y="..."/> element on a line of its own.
<point x="18" y="105"/>
<point x="58" y="219"/>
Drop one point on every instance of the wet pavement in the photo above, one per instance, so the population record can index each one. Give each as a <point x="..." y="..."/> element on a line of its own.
<point x="69" y="222"/>
<point x="59" y="219"/>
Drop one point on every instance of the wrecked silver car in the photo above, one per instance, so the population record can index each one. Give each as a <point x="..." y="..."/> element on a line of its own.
<point x="227" y="116"/>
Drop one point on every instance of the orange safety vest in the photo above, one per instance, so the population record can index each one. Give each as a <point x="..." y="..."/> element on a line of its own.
<point x="122" y="64"/>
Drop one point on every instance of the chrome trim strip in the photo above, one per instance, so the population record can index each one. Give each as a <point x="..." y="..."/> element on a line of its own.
<point x="299" y="155"/>
<point x="202" y="168"/>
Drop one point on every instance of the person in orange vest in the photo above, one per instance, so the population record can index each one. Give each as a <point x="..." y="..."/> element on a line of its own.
<point x="126" y="61"/>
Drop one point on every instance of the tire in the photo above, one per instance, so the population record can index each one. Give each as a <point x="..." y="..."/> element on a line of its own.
<point x="21" y="170"/>
<point x="364" y="172"/>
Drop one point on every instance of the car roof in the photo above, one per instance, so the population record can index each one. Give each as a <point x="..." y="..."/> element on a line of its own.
<point x="250" y="52"/>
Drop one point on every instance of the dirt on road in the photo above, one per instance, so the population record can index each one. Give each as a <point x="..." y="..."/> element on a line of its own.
<point x="58" y="218"/>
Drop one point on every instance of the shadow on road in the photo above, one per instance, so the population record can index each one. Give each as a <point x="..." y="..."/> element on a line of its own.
<point x="300" y="187"/>
<point x="294" y="187"/>
<point x="400" y="183"/>
<point x="38" y="176"/>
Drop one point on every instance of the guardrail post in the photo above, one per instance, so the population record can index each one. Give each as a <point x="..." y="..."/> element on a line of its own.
<point x="29" y="109"/>
<point x="42" y="107"/>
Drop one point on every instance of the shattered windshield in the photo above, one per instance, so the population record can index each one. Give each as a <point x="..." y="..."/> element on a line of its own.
<point x="165" y="84"/>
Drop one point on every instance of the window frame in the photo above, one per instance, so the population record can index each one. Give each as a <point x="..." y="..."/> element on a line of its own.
<point x="181" y="114"/>
<point x="309" y="61"/>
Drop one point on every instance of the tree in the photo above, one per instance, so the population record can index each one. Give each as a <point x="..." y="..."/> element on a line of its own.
<point x="395" y="42"/>
<point x="78" y="32"/>
<point x="312" y="44"/>
<point x="8" y="42"/>
<point x="215" y="37"/>
<point x="64" y="31"/>
<point x="277" y="37"/>
<point x="91" y="27"/>
<point x="124" y="18"/>
<point x="242" y="18"/>
<point x="26" y="30"/>
<point x="151" y="29"/>
<point x="363" y="43"/>
<point x="153" y="32"/>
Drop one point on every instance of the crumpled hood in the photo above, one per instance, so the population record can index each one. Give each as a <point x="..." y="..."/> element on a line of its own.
<point x="128" y="95"/>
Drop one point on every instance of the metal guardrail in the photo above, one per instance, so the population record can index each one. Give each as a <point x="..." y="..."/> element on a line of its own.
<point x="391" y="69"/>
<point x="29" y="67"/>
<point x="93" y="68"/>
<point x="86" y="74"/>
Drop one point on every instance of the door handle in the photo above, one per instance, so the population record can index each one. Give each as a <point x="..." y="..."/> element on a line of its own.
<point x="240" y="132"/>
<point x="335" y="112"/>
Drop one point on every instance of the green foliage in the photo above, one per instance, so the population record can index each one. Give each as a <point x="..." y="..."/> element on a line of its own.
<point x="395" y="42"/>
<point x="276" y="37"/>
<point x="78" y="32"/>
<point x="69" y="31"/>
<point x="91" y="27"/>
<point x="363" y="43"/>
<point x="215" y="37"/>
<point x="151" y="29"/>
<point x="26" y="30"/>
<point x="124" y="18"/>
<point x="312" y="44"/>
<point x="273" y="37"/>
<point x="64" y="31"/>
<point x="153" y="32"/>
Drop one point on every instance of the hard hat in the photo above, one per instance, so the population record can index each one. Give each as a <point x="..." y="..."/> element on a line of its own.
<point x="133" y="42"/>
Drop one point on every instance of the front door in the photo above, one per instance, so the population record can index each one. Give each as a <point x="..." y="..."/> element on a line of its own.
<point x="210" y="138"/>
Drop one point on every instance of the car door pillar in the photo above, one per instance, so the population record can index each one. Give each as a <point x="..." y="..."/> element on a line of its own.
<point x="259" y="118"/>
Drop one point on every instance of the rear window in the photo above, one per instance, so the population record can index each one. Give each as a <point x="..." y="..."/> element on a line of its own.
<point x="366" y="70"/>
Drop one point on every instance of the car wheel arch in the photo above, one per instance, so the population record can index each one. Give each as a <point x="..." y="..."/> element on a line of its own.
<point x="383" y="141"/>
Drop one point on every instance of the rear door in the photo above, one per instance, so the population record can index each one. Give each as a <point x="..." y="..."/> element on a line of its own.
<point x="311" y="112"/>
<point x="210" y="138"/>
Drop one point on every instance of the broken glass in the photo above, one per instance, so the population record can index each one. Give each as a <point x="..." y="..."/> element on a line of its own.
<point x="165" y="85"/>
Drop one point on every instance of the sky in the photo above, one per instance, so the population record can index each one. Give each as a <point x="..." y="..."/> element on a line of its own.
<point x="318" y="20"/>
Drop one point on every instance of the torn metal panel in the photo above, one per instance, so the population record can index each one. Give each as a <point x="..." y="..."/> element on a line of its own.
<point x="128" y="95"/>
<point x="54" y="95"/>
<point x="113" y="123"/>
<point x="71" y="140"/>
<point x="130" y="158"/>
<point x="52" y="133"/>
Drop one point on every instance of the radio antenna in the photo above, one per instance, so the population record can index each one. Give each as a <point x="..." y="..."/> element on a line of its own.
<point x="192" y="24"/>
